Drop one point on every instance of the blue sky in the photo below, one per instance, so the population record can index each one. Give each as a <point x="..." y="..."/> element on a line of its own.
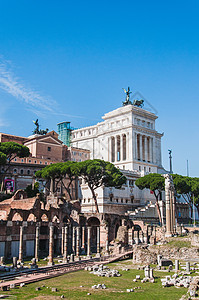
<point x="69" y="60"/>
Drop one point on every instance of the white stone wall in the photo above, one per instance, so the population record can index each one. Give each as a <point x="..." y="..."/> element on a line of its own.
<point x="112" y="200"/>
<point x="133" y="122"/>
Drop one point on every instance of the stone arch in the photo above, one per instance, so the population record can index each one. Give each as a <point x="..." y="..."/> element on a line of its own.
<point x="65" y="219"/>
<point x="31" y="217"/>
<point x="93" y="222"/>
<point x="19" y="194"/>
<point x="17" y="217"/>
<point x="137" y="227"/>
<point x="44" y="218"/>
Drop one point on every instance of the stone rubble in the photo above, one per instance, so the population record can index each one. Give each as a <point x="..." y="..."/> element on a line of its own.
<point x="177" y="281"/>
<point x="99" y="286"/>
<point x="103" y="271"/>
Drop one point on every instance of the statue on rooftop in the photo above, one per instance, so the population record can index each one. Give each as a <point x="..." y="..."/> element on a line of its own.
<point x="139" y="103"/>
<point x="37" y="130"/>
<point x="127" y="101"/>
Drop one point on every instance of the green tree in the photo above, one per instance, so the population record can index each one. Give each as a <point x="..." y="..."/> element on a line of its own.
<point x="32" y="192"/>
<point x="2" y="158"/>
<point x="188" y="188"/>
<point x="12" y="150"/>
<point x="97" y="173"/>
<point x="63" y="173"/>
<point x="154" y="182"/>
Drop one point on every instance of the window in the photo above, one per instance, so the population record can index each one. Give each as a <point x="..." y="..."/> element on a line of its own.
<point x="15" y="171"/>
<point x="111" y="197"/>
<point x="15" y="159"/>
<point x="121" y="200"/>
<point x="126" y="200"/>
<point x="45" y="162"/>
<point x="139" y="168"/>
<point x="22" y="160"/>
<point x="149" y="169"/>
<point x="29" y="161"/>
<point x="117" y="200"/>
<point x="35" y="161"/>
<point x="88" y="200"/>
<point x="21" y="172"/>
<point x="49" y="148"/>
<point x="40" y="162"/>
<point x="28" y="172"/>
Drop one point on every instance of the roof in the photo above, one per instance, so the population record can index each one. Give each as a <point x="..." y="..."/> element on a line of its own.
<point x="25" y="204"/>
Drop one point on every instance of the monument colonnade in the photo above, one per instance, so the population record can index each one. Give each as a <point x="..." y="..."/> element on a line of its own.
<point x="143" y="145"/>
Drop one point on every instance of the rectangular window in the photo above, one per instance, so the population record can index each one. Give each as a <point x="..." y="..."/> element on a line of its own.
<point x="49" y="148"/>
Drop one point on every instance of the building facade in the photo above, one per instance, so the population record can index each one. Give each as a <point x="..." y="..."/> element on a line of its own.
<point x="127" y="137"/>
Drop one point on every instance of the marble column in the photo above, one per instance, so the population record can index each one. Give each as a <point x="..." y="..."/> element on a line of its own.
<point x="140" y="147"/>
<point x="65" y="252"/>
<point x="174" y="212"/>
<point x="135" y="146"/>
<point x="51" y="249"/>
<point x="145" y="148"/>
<point x="62" y="240"/>
<point x="98" y="240"/>
<point x="141" y="236"/>
<point x="170" y="205"/>
<point x="121" y="147"/>
<point x="70" y="237"/>
<point x="37" y="243"/>
<point x="107" y="242"/>
<point x="151" y="149"/>
<point x="136" y="237"/>
<point x="74" y="229"/>
<point x="88" y="241"/>
<point x="21" y="244"/>
<point x="145" y="236"/>
<point x="83" y="237"/>
<point x="77" y="240"/>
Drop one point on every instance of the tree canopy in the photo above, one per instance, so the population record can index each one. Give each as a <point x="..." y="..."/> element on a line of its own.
<point x="98" y="173"/>
<point x="12" y="150"/>
<point x="188" y="188"/>
<point x="57" y="173"/>
<point x="2" y="158"/>
<point x="94" y="172"/>
<point x="154" y="182"/>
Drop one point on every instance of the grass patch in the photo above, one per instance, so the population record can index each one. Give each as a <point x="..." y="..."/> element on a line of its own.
<point x="179" y="244"/>
<point x="69" y="286"/>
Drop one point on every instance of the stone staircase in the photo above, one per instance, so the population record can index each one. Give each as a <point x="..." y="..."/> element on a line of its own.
<point x="146" y="213"/>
